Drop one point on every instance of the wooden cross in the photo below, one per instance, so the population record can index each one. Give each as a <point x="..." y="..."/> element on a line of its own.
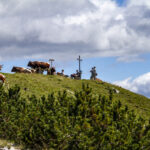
<point x="79" y="59"/>
<point x="51" y="61"/>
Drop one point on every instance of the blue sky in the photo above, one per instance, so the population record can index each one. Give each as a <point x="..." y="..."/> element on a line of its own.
<point x="108" y="69"/>
<point x="114" y="38"/>
<point x="120" y="2"/>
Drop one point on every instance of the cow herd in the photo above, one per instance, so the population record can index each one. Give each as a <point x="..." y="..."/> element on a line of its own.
<point x="38" y="67"/>
<point x="41" y="67"/>
<point x="35" y="67"/>
<point x="22" y="70"/>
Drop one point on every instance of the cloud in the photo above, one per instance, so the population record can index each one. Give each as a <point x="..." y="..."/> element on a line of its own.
<point x="66" y="28"/>
<point x="140" y="84"/>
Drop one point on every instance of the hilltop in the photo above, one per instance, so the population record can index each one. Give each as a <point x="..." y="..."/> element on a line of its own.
<point x="43" y="85"/>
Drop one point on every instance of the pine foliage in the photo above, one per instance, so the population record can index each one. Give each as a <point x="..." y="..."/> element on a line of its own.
<point x="83" y="121"/>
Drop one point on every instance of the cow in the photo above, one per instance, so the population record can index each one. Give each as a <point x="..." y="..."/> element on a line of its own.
<point x="51" y="71"/>
<point x="32" y="70"/>
<point x="38" y="64"/>
<point x="2" y="78"/>
<point x="21" y="70"/>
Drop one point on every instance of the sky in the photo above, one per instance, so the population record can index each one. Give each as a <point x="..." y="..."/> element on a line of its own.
<point x="113" y="35"/>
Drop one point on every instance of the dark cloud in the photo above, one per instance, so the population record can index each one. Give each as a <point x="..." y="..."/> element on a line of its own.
<point x="138" y="19"/>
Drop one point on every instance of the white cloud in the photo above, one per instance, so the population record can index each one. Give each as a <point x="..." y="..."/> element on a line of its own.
<point x="138" y="3"/>
<point x="92" y="28"/>
<point x="140" y="84"/>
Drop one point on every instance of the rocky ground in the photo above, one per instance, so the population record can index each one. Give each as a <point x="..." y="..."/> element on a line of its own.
<point x="6" y="145"/>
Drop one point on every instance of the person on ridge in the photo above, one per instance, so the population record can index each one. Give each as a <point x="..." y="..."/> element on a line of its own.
<point x="93" y="73"/>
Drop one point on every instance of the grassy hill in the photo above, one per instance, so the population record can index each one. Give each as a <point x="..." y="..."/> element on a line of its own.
<point x="43" y="85"/>
<point x="77" y="118"/>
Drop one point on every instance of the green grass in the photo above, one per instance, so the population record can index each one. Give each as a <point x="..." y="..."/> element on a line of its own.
<point x="43" y="85"/>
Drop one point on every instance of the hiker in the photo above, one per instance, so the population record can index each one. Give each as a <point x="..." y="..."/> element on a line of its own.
<point x="93" y="73"/>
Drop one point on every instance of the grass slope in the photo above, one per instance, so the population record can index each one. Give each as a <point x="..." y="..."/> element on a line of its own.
<point x="43" y="85"/>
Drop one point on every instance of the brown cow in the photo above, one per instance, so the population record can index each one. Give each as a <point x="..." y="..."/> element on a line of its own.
<point x="2" y="78"/>
<point x="38" y="64"/>
<point x="21" y="70"/>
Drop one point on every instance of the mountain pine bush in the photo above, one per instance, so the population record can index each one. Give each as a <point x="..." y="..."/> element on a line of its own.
<point x="83" y="121"/>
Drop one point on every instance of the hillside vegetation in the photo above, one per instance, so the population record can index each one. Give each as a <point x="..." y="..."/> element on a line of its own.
<point x="81" y="120"/>
<point x="43" y="85"/>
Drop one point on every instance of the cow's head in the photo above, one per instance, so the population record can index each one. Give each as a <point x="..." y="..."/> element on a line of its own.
<point x="13" y="69"/>
<point x="29" y="63"/>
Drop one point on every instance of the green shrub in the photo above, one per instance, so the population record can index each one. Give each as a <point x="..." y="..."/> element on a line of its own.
<point x="83" y="121"/>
